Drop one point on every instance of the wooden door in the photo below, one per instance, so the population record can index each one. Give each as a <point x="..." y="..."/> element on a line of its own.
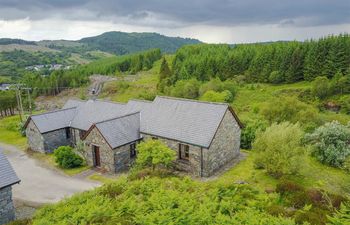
<point x="97" y="159"/>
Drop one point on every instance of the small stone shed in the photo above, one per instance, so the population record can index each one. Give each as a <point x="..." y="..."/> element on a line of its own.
<point x="205" y="135"/>
<point x="8" y="178"/>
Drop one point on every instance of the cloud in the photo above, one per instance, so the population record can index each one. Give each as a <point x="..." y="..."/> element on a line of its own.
<point x="209" y="20"/>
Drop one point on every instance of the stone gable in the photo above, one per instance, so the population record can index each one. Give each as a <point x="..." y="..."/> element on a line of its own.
<point x="7" y="210"/>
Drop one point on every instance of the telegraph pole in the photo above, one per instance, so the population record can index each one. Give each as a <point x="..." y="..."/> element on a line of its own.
<point x="29" y="99"/>
<point x="19" y="102"/>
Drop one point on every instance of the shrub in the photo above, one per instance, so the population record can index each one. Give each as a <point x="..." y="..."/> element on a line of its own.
<point x="342" y="216"/>
<point x="330" y="143"/>
<point x="185" y="89"/>
<point x="276" y="77"/>
<point x="153" y="153"/>
<point x="320" y="87"/>
<point x="286" y="186"/>
<point x="279" y="149"/>
<point x="276" y="210"/>
<point x="345" y="104"/>
<point x="249" y="132"/>
<point x="290" y="109"/>
<point x="212" y="96"/>
<point x="65" y="157"/>
<point x="312" y="216"/>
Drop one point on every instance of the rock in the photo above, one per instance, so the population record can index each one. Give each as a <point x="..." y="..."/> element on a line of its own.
<point x="240" y="182"/>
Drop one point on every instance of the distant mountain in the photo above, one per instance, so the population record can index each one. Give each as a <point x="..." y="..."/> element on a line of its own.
<point x="17" y="55"/>
<point x="121" y="43"/>
<point x="8" y="41"/>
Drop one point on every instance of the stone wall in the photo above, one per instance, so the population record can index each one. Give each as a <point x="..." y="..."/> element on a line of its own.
<point x="55" y="139"/>
<point x="225" y="145"/>
<point x="34" y="138"/>
<point x="122" y="158"/>
<point x="193" y="165"/>
<point x="76" y="135"/>
<point x="7" y="210"/>
<point x="106" y="153"/>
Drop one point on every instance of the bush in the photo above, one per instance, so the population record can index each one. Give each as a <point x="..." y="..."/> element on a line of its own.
<point x="320" y="87"/>
<point x="279" y="149"/>
<point x="249" y="132"/>
<point x="330" y="143"/>
<point x="153" y="153"/>
<point x="185" y="89"/>
<point x="291" y="109"/>
<point x="313" y="216"/>
<point x="342" y="216"/>
<point x="276" y="77"/>
<point x="286" y="187"/>
<point x="66" y="158"/>
<point x="345" y="104"/>
<point x="212" y="96"/>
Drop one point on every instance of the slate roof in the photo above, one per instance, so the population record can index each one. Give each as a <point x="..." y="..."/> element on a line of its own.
<point x="189" y="121"/>
<point x="54" y="120"/>
<point x="121" y="130"/>
<point x="8" y="176"/>
<point x="71" y="103"/>
<point x="94" y="111"/>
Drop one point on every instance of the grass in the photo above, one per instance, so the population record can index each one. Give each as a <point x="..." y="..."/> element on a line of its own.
<point x="312" y="174"/>
<point x="102" y="179"/>
<point x="9" y="132"/>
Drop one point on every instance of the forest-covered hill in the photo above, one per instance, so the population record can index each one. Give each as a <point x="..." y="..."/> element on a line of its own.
<point x="16" y="54"/>
<point x="121" y="43"/>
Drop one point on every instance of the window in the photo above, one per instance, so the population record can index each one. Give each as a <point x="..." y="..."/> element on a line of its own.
<point x="132" y="150"/>
<point x="184" y="151"/>
<point x="67" y="132"/>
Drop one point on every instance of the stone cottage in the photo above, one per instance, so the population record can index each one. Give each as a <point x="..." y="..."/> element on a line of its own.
<point x="8" y="178"/>
<point x="205" y="135"/>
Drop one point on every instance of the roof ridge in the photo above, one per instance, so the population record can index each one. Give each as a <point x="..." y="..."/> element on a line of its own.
<point x="140" y="100"/>
<point x="192" y="100"/>
<point x="44" y="113"/>
<point x="108" y="101"/>
<point x="119" y="117"/>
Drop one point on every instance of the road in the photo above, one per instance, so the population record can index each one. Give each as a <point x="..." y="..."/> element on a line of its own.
<point x="41" y="185"/>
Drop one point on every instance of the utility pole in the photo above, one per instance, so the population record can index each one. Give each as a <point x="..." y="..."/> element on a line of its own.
<point x="29" y="99"/>
<point x="18" y="107"/>
<point x="20" y="104"/>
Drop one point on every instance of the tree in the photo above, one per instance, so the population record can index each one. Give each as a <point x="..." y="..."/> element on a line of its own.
<point x="164" y="71"/>
<point x="153" y="153"/>
<point x="330" y="143"/>
<point x="279" y="149"/>
<point x="320" y="87"/>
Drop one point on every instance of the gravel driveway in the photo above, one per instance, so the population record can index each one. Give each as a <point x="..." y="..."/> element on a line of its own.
<point x="39" y="184"/>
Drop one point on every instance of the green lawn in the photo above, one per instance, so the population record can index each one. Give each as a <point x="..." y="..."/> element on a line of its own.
<point x="9" y="132"/>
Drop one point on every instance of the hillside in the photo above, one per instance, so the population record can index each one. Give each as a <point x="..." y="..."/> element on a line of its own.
<point x="16" y="54"/>
<point x="121" y="43"/>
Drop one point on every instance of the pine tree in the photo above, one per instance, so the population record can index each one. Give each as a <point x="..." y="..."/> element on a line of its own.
<point x="164" y="71"/>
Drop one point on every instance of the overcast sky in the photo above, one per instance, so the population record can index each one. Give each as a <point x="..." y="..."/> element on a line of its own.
<point x="214" y="21"/>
